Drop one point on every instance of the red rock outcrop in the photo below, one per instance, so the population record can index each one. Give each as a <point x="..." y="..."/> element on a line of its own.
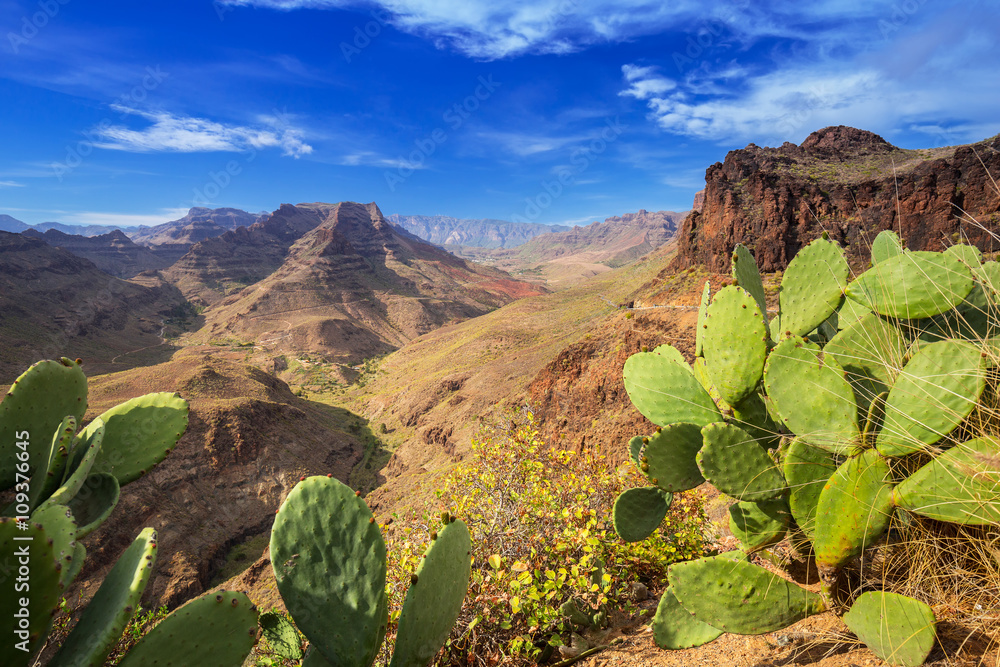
<point x="847" y="182"/>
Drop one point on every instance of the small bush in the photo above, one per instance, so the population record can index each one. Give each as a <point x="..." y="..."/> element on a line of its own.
<point x="540" y="523"/>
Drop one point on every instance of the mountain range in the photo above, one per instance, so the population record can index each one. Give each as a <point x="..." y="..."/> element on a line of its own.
<point x="487" y="233"/>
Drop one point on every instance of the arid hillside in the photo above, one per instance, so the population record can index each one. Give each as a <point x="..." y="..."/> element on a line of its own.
<point x="847" y="182"/>
<point x="114" y="253"/>
<point x="53" y="304"/>
<point x="350" y="287"/>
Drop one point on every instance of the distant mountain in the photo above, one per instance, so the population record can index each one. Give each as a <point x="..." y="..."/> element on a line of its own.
<point x="483" y="233"/>
<point x="199" y="224"/>
<point x="53" y="303"/>
<point x="338" y="280"/>
<point x="113" y="253"/>
<point x="9" y="224"/>
<point x="563" y="258"/>
<point x="84" y="230"/>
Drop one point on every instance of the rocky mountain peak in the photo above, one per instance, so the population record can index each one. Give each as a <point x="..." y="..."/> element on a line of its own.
<point x="841" y="140"/>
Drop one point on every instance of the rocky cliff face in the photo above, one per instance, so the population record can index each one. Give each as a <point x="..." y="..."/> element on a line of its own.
<point x="199" y="224"/>
<point x="113" y="253"/>
<point x="484" y="233"/>
<point x="848" y="182"/>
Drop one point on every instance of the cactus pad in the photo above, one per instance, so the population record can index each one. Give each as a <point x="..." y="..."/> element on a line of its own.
<point x="811" y="394"/>
<point x="670" y="457"/>
<point x="94" y="502"/>
<point x="218" y="629"/>
<point x="639" y="511"/>
<point x="85" y="452"/>
<point x="103" y="621"/>
<point x="665" y="390"/>
<point x="675" y="628"/>
<point x="736" y="596"/>
<point x="699" y="332"/>
<point x="139" y="434"/>
<point x="46" y="480"/>
<point x="886" y="246"/>
<point x="435" y="597"/>
<point x="281" y="635"/>
<point x="807" y="469"/>
<point x="45" y="593"/>
<point x="854" y="509"/>
<point x="329" y="563"/>
<point x="913" y="285"/>
<point x="36" y="404"/>
<point x="960" y="486"/>
<point x="871" y="351"/>
<point x="747" y="275"/>
<point x="735" y="343"/>
<point x="738" y="466"/>
<point x="812" y="287"/>
<point x="759" y="525"/>
<point x="60" y="527"/>
<point x="936" y="390"/>
<point x="898" y="629"/>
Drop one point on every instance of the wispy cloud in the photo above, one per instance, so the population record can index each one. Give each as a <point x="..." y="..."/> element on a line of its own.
<point x="11" y="184"/>
<point x="122" y="219"/>
<point x="186" y="134"/>
<point x="372" y="159"/>
<point x="645" y="82"/>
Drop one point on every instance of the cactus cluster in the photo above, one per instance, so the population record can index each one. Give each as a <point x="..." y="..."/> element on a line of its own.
<point x="66" y="481"/>
<point x="329" y="562"/>
<point x="862" y="404"/>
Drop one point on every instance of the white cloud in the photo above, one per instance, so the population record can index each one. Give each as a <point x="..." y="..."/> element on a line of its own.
<point x="122" y="219"/>
<point x="185" y="134"/>
<point x="372" y="159"/>
<point x="645" y="83"/>
<point x="11" y="184"/>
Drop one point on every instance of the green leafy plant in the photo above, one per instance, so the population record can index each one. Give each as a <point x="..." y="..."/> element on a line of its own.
<point x="66" y="482"/>
<point x="540" y="539"/>
<point x="861" y="422"/>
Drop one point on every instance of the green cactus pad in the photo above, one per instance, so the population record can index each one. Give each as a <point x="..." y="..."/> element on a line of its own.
<point x="898" y="629"/>
<point x="699" y="332"/>
<point x="747" y="275"/>
<point x="913" y="285"/>
<point x="103" y="621"/>
<point x="886" y="246"/>
<point x="670" y="455"/>
<point x="435" y="597"/>
<point x="59" y="525"/>
<point x="989" y="277"/>
<point x="700" y="371"/>
<point x="675" y="628"/>
<point x="737" y="596"/>
<point x="216" y="630"/>
<point x="281" y="635"/>
<point x="936" y="390"/>
<point x="854" y="509"/>
<point x="735" y="343"/>
<point x="759" y="525"/>
<point x="751" y="414"/>
<point x="811" y="394"/>
<point x="75" y="565"/>
<point x="94" y="502"/>
<point x="812" y="287"/>
<point x="329" y="563"/>
<point x="36" y="404"/>
<point x="139" y="434"/>
<point x="850" y="311"/>
<point x="639" y="511"/>
<point x="634" y="448"/>
<point x="85" y="452"/>
<point x="960" y="486"/>
<point x="871" y="351"/>
<point x="42" y="599"/>
<point x="46" y="480"/>
<point x="738" y="466"/>
<point x="807" y="469"/>
<point x="665" y="391"/>
<point x="967" y="254"/>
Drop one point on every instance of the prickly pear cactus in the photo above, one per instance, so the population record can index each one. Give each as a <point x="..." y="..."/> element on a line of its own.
<point x="880" y="390"/>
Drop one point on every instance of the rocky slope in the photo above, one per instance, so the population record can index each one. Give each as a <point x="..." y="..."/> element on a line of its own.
<point x="483" y="233"/>
<point x="248" y="442"/>
<point x="199" y="224"/>
<point x="53" y="304"/>
<point x="13" y="225"/>
<point x="850" y="183"/>
<point x="351" y="287"/>
<point x="113" y="253"/>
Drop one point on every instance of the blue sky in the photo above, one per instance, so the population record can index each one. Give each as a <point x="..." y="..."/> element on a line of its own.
<point x="555" y="111"/>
